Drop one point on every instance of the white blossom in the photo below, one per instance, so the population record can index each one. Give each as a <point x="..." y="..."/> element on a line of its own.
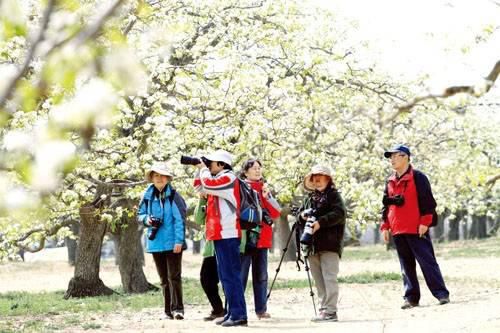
<point x="17" y="140"/>
<point x="126" y="71"/>
<point x="50" y="156"/>
<point x="92" y="104"/>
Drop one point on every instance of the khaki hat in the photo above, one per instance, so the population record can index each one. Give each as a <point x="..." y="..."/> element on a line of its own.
<point x="220" y="156"/>
<point x="316" y="170"/>
<point x="160" y="168"/>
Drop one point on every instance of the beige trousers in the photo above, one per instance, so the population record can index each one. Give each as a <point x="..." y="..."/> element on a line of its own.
<point x="324" y="269"/>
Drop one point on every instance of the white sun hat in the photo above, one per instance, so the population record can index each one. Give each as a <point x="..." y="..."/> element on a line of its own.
<point x="220" y="156"/>
<point x="160" y="168"/>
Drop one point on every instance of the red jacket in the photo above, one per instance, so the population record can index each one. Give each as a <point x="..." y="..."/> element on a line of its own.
<point x="404" y="219"/>
<point x="222" y="221"/>
<point x="274" y="210"/>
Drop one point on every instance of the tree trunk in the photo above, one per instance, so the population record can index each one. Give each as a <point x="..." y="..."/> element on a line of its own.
<point x="196" y="243"/>
<point x="283" y="232"/>
<point x="131" y="256"/>
<point x="478" y="227"/>
<point x="72" y="243"/>
<point x="116" y="245"/>
<point x="438" y="231"/>
<point x="86" y="281"/>
<point x="454" y="224"/>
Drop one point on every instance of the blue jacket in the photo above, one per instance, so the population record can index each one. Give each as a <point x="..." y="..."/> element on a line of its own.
<point x="171" y="231"/>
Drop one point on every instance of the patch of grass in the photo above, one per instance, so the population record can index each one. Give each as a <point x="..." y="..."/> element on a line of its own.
<point x="362" y="278"/>
<point x="91" y="326"/>
<point x="371" y="252"/>
<point x="53" y="303"/>
<point x="489" y="247"/>
<point x="370" y="277"/>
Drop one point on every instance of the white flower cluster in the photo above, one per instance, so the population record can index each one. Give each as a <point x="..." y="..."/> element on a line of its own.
<point x="93" y="104"/>
<point x="50" y="157"/>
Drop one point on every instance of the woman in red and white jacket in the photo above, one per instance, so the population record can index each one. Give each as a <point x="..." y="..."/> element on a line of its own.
<point x="257" y="257"/>
<point x="217" y="180"/>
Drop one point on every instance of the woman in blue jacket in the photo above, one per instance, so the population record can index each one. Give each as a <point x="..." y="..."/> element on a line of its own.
<point x="162" y="210"/>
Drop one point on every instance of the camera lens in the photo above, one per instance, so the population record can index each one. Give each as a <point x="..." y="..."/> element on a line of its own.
<point x="189" y="160"/>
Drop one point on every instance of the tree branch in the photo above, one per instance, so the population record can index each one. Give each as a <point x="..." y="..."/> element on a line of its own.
<point x="448" y="92"/>
<point x="45" y="233"/>
<point x="116" y="183"/>
<point x="30" y="55"/>
<point x="93" y="30"/>
<point x="493" y="180"/>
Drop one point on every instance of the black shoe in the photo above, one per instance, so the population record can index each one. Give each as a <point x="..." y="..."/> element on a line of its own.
<point x="231" y="323"/>
<point x="214" y="315"/>
<point x="178" y="315"/>
<point x="408" y="305"/>
<point x="444" y="300"/>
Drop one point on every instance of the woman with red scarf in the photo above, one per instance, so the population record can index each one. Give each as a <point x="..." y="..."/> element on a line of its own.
<point x="257" y="256"/>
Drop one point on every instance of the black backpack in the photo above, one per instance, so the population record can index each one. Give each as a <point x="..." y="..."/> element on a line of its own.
<point x="250" y="212"/>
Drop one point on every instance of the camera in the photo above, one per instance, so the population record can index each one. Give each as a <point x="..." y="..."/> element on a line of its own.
<point x="191" y="160"/>
<point x="266" y="217"/>
<point x="155" y="225"/>
<point x="307" y="234"/>
<point x="397" y="200"/>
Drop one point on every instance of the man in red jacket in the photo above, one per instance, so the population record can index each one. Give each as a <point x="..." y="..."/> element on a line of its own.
<point x="408" y="212"/>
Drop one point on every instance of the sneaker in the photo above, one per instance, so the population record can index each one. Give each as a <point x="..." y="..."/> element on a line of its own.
<point x="408" y="305"/>
<point x="178" y="315"/>
<point x="231" y="323"/>
<point x="444" y="300"/>
<point x="221" y="321"/>
<point x="325" y="317"/>
<point x="263" y="315"/>
<point x="214" y="315"/>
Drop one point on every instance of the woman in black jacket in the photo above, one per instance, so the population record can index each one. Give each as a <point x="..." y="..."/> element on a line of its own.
<point x="323" y="215"/>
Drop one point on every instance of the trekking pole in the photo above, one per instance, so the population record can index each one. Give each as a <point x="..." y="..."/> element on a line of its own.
<point x="281" y="259"/>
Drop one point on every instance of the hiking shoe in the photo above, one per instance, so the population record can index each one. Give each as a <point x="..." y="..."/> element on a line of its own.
<point x="444" y="300"/>
<point x="214" y="315"/>
<point x="167" y="316"/>
<point x="408" y="305"/>
<point x="263" y="315"/>
<point x="325" y="317"/>
<point x="178" y="315"/>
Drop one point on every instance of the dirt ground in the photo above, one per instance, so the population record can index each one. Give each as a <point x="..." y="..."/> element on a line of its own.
<point x="473" y="283"/>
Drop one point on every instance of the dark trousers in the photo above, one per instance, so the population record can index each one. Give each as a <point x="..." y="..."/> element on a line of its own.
<point x="169" y="268"/>
<point x="412" y="248"/>
<point x="209" y="279"/>
<point x="258" y="260"/>
<point x="227" y="252"/>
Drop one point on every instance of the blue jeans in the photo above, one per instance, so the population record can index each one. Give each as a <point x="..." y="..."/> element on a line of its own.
<point x="258" y="260"/>
<point x="413" y="248"/>
<point x="227" y="252"/>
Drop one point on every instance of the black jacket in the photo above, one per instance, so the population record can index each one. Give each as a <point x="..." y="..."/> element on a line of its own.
<point x="331" y="214"/>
